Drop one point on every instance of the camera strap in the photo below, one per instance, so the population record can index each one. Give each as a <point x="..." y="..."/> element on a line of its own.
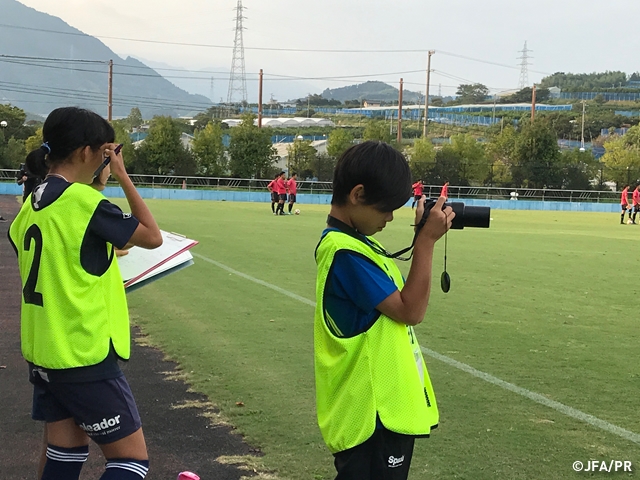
<point x="352" y="232"/>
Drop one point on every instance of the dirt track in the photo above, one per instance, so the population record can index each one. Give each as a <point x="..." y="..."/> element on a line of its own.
<point x="177" y="438"/>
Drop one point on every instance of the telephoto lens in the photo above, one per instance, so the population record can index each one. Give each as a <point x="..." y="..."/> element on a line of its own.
<point x="466" y="216"/>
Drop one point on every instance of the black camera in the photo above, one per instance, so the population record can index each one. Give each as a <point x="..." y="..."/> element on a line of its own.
<point x="466" y="216"/>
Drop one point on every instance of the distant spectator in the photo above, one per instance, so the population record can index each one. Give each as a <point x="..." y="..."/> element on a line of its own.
<point x="28" y="178"/>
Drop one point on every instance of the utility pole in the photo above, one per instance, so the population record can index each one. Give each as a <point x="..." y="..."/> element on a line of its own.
<point x="110" y="93"/>
<point x="399" y="137"/>
<point x="582" y="138"/>
<point x="533" y="103"/>
<point x="260" y="101"/>
<point x="426" y="97"/>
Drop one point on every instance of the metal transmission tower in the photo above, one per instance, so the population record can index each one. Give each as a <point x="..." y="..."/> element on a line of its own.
<point x="238" y="78"/>
<point x="524" y="64"/>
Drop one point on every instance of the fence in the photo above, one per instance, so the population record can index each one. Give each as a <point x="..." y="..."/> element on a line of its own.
<point x="315" y="188"/>
<point x="608" y="96"/>
<point x="627" y="113"/>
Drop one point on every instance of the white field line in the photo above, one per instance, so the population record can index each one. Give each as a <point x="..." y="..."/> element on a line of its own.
<point x="536" y="397"/>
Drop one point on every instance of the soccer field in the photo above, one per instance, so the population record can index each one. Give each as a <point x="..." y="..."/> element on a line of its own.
<point x="541" y="310"/>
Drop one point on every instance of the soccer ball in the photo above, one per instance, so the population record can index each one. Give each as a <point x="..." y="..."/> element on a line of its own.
<point x="629" y="222"/>
<point x="297" y="211"/>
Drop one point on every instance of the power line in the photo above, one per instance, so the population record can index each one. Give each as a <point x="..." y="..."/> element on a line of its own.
<point x="272" y="49"/>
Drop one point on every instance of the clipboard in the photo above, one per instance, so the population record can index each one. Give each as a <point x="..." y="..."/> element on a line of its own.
<point x="142" y="266"/>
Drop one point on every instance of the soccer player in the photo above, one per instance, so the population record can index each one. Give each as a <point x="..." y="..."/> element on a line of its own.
<point x="373" y="392"/>
<point x="635" y="197"/>
<point x="417" y="192"/>
<point x="624" y="203"/>
<point x="281" y="189"/>
<point x="274" y="195"/>
<point x="74" y="316"/>
<point x="292" y="187"/>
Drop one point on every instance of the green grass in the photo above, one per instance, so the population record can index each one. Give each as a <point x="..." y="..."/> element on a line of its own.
<point x="544" y="300"/>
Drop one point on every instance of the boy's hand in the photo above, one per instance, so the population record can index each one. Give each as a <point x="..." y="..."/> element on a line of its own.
<point x="438" y="221"/>
<point x="117" y="162"/>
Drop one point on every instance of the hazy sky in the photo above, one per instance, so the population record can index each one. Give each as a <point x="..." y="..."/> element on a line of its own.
<point x="565" y="35"/>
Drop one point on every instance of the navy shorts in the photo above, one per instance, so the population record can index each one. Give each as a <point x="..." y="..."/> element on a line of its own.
<point x="283" y="197"/>
<point x="292" y="198"/>
<point x="274" y="197"/>
<point x="104" y="409"/>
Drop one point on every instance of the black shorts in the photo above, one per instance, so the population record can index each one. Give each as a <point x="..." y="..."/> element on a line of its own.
<point x="283" y="197"/>
<point x="385" y="455"/>
<point x="625" y="207"/>
<point x="636" y="208"/>
<point x="292" y="198"/>
<point x="417" y="197"/>
<point x="274" y="197"/>
<point x="104" y="409"/>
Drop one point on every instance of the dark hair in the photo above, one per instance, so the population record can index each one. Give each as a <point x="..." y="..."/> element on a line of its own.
<point x="65" y="130"/>
<point x="380" y="168"/>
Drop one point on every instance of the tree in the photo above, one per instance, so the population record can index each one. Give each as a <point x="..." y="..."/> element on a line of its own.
<point x="209" y="151"/>
<point x="579" y="169"/>
<point x="376" y="130"/>
<point x="300" y="156"/>
<point x="15" y="118"/>
<point x="525" y="95"/>
<point x="12" y="153"/>
<point x="472" y="93"/>
<point x="251" y="151"/>
<point x="135" y="120"/>
<point x="162" y="150"/>
<point x="446" y="168"/>
<point x="338" y="141"/>
<point x="122" y="136"/>
<point x="537" y="157"/>
<point x="421" y="158"/>
<point x="622" y="157"/>
<point x="475" y="167"/>
<point x="323" y="166"/>
<point x="501" y="152"/>
<point x="34" y="141"/>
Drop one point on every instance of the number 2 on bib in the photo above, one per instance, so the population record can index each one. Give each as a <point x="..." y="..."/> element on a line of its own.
<point x="29" y="290"/>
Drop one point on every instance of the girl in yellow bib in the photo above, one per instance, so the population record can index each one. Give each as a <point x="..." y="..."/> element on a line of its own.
<point x="74" y="317"/>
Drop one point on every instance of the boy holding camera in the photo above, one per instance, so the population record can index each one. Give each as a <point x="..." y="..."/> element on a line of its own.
<point x="373" y="392"/>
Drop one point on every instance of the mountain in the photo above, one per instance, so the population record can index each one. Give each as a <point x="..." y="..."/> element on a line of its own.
<point x="39" y="84"/>
<point x="372" y="91"/>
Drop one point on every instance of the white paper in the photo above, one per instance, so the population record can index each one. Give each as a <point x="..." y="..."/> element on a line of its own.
<point x="143" y="263"/>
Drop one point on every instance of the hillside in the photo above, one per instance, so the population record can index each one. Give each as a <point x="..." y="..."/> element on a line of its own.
<point x="39" y="85"/>
<point x="372" y="91"/>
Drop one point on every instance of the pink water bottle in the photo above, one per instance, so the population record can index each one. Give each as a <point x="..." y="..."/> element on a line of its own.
<point x="188" y="476"/>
